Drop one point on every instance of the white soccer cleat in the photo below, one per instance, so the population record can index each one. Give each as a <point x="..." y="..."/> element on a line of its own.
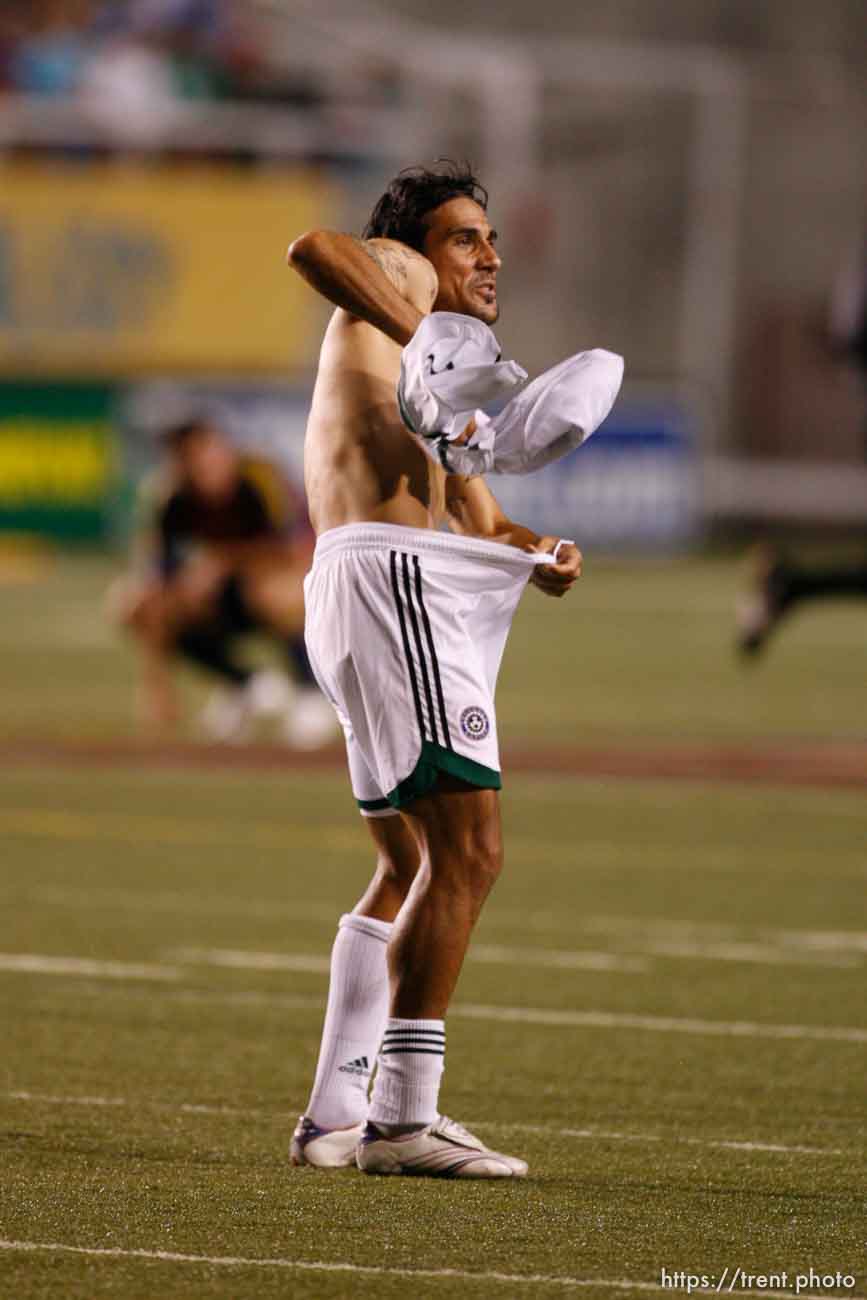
<point x="311" y="722"/>
<point x="230" y="713"/>
<point x="442" y="1150"/>
<point x="226" y="717"/>
<point x="270" y="693"/>
<point x="324" y="1148"/>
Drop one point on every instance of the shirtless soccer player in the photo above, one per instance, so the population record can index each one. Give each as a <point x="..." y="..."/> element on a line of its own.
<point x="405" y="628"/>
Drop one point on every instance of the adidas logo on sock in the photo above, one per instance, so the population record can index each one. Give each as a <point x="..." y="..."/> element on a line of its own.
<point x="358" y="1066"/>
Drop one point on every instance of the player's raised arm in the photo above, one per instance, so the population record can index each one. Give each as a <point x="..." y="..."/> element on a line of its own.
<point x="380" y="281"/>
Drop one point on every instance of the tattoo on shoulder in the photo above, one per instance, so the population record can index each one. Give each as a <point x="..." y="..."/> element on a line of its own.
<point x="393" y="261"/>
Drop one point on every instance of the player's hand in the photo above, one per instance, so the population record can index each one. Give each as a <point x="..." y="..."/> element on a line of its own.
<point x="556" y="579"/>
<point x="465" y="434"/>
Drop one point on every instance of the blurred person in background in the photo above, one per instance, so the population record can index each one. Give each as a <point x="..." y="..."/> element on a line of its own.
<point x="52" y="48"/>
<point x="781" y="585"/>
<point x="148" y="58"/>
<point x="12" y="30"/>
<point x="221" y="556"/>
<point x="134" y="64"/>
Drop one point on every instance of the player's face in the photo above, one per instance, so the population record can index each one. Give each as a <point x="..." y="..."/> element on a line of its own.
<point x="461" y="245"/>
<point x="209" y="464"/>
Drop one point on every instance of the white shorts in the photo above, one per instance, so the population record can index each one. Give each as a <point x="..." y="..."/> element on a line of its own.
<point x="405" y="630"/>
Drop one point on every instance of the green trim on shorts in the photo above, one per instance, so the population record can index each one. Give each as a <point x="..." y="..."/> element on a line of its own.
<point x="372" y="805"/>
<point x="422" y="779"/>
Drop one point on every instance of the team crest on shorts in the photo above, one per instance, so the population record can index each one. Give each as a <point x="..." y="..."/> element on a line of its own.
<point x="474" y="723"/>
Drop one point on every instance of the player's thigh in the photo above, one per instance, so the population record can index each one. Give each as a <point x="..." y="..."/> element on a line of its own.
<point x="276" y="593"/>
<point x="460" y="828"/>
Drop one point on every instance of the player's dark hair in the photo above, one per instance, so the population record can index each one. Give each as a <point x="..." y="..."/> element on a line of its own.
<point x="176" y="436"/>
<point x="415" y="192"/>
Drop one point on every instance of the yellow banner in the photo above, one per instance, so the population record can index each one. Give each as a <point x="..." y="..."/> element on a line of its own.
<point x="114" y="269"/>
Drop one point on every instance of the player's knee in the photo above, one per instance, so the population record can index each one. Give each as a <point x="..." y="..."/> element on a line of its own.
<point x="473" y="863"/>
<point x="397" y="853"/>
<point x="485" y="858"/>
<point x="397" y="869"/>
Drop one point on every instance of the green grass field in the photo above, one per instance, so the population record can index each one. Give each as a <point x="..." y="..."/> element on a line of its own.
<point x="664" y="1011"/>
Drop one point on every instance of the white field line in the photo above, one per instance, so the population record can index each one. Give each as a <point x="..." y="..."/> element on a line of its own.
<point x="543" y="1130"/>
<point x="670" y="931"/>
<point x="658" y="1024"/>
<point x="502" y="955"/>
<point x="34" y="963"/>
<point x="557" y="959"/>
<point x="50" y="1099"/>
<point x="370" y="1270"/>
<point x="238" y="959"/>
<point x="694" y="940"/>
<point x="826" y="939"/>
<point x="487" y="954"/>
<point x="43" y="965"/>
<point x="185" y="1108"/>
<point x="603" y="1135"/>
<point x="747" y="954"/>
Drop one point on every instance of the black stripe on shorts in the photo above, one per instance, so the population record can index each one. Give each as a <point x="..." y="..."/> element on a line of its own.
<point x="404" y="559"/>
<point x="433" y="654"/>
<point x="395" y="586"/>
<point x="422" y="638"/>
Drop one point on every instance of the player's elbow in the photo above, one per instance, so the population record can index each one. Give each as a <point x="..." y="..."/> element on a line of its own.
<point x="305" y="250"/>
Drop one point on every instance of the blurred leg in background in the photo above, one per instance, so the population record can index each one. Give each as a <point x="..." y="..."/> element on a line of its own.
<point x="780" y="586"/>
<point x="272" y="594"/>
<point x="200" y="616"/>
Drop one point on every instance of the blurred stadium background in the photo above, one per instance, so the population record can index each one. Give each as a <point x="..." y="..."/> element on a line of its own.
<point x="684" y="183"/>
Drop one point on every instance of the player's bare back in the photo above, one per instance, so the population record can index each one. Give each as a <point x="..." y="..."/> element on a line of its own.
<point x="360" y="462"/>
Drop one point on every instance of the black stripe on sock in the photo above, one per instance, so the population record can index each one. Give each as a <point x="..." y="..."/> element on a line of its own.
<point x="420" y="1046"/>
<point x="433" y="654"/>
<point x="411" y="666"/>
<point x="428" y="1040"/>
<point x="422" y="1051"/>
<point x="404" y="559"/>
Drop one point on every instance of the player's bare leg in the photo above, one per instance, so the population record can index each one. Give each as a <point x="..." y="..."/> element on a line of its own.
<point x="358" y="998"/>
<point x="398" y="858"/>
<point x="139" y="607"/>
<point x="459" y="830"/>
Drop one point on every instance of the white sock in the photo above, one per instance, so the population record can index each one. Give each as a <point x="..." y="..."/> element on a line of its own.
<point x="354" y="1021"/>
<point x="408" y="1073"/>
